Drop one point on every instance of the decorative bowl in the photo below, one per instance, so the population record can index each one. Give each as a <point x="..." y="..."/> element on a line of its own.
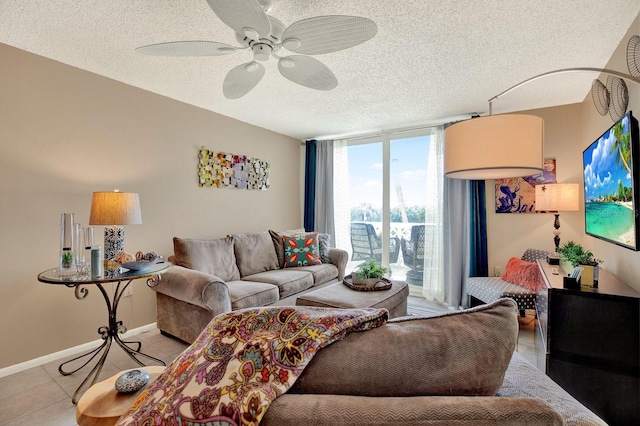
<point x="132" y="381"/>
<point x="139" y="266"/>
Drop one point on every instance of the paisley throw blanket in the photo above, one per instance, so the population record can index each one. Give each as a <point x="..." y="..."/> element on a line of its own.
<point x="241" y="362"/>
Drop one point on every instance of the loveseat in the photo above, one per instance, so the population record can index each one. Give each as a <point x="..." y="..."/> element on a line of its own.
<point x="457" y="368"/>
<point x="213" y="276"/>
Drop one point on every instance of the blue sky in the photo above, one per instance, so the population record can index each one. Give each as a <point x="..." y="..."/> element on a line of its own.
<point x="408" y="171"/>
<point x="601" y="173"/>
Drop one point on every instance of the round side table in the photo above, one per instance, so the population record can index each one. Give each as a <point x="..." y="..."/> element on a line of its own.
<point x="102" y="404"/>
<point x="108" y="333"/>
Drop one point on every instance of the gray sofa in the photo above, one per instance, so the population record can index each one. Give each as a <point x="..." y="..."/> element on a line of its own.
<point x="246" y="270"/>
<point x="458" y="368"/>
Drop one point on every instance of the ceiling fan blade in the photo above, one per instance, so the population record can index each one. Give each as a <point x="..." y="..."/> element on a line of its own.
<point x="242" y="16"/>
<point x="308" y="72"/>
<point x="241" y="79"/>
<point x="187" y="48"/>
<point x="325" y="34"/>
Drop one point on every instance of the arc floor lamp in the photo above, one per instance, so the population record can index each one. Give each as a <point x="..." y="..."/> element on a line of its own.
<point x="483" y="147"/>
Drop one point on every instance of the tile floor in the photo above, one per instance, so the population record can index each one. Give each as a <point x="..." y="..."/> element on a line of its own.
<point x="42" y="396"/>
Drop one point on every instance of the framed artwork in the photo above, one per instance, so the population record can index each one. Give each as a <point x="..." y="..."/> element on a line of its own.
<point x="518" y="195"/>
<point x="224" y="170"/>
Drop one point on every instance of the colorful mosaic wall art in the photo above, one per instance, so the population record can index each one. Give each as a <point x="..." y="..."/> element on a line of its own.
<point x="224" y="170"/>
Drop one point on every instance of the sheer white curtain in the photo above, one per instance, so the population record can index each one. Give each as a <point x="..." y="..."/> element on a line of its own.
<point x="433" y="277"/>
<point x="456" y="194"/>
<point x="341" y="212"/>
<point x="324" y="207"/>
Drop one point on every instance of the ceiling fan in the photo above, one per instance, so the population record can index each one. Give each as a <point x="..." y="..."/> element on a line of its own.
<point x="267" y="37"/>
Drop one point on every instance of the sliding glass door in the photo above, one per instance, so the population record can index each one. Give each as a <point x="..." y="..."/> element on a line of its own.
<point x="386" y="196"/>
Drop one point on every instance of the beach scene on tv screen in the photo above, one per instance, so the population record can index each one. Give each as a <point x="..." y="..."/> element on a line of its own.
<point x="608" y="186"/>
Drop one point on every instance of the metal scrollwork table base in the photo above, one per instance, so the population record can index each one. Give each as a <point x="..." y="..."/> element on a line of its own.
<point x="108" y="333"/>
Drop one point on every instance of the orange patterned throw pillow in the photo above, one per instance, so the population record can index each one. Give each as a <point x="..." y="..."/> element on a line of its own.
<point x="524" y="273"/>
<point x="301" y="250"/>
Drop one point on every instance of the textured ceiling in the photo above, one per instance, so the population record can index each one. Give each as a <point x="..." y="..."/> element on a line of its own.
<point x="431" y="59"/>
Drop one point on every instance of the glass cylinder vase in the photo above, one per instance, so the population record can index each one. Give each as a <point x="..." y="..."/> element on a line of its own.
<point x="67" y="265"/>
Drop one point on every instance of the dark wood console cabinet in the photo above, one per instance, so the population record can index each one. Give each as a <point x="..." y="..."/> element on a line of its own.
<point x="588" y="341"/>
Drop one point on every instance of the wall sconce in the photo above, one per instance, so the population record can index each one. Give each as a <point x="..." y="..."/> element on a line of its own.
<point x="557" y="197"/>
<point x="114" y="209"/>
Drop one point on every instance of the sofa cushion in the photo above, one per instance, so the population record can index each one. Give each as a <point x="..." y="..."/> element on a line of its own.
<point x="321" y="273"/>
<point x="216" y="256"/>
<point x="278" y="242"/>
<point x="524" y="380"/>
<point x="458" y="353"/>
<point x="288" y="281"/>
<point x="301" y="250"/>
<point x="254" y="253"/>
<point x="247" y="294"/>
<point x="349" y="410"/>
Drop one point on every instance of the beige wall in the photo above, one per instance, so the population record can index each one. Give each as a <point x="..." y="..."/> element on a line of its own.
<point x="65" y="133"/>
<point x="568" y="131"/>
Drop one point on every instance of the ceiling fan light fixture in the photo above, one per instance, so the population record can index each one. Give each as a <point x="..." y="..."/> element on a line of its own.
<point x="291" y="43"/>
<point x="261" y="51"/>
<point x="287" y="62"/>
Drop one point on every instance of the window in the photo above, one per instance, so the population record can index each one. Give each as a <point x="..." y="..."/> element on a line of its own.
<point x="388" y="185"/>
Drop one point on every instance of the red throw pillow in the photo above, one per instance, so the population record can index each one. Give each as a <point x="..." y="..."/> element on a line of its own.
<point x="526" y="274"/>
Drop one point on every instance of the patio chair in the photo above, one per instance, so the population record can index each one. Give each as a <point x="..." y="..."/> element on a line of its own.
<point x="488" y="289"/>
<point x="367" y="245"/>
<point x="413" y="254"/>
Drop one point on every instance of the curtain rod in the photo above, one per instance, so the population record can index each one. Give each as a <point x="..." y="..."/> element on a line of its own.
<point x="426" y="126"/>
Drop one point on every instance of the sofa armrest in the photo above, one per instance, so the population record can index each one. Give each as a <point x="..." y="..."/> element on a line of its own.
<point x="349" y="410"/>
<point x="195" y="287"/>
<point x="339" y="258"/>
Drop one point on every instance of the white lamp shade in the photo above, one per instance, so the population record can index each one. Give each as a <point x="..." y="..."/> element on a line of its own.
<point x="493" y="147"/>
<point x="558" y="197"/>
<point x="115" y="208"/>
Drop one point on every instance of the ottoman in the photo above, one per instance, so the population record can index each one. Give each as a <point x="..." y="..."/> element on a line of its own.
<point x="339" y="295"/>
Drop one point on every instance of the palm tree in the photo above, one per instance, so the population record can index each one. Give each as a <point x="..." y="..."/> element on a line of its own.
<point x="621" y="146"/>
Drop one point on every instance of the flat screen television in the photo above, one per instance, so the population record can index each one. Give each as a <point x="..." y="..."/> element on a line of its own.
<point x="611" y="168"/>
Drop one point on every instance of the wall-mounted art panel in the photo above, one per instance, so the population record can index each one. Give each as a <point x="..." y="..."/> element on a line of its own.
<point x="518" y="195"/>
<point x="224" y="170"/>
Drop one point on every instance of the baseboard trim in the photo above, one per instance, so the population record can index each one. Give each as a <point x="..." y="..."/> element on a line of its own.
<point x="17" y="368"/>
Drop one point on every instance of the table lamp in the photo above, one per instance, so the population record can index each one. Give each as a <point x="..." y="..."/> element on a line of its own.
<point x="557" y="197"/>
<point x="114" y="209"/>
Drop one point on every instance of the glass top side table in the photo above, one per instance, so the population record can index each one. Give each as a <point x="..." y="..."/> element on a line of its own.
<point x="108" y="333"/>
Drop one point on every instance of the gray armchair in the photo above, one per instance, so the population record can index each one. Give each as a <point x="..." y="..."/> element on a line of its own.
<point x="413" y="254"/>
<point x="367" y="245"/>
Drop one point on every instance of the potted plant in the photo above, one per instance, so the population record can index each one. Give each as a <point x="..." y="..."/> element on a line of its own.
<point x="369" y="273"/>
<point x="575" y="255"/>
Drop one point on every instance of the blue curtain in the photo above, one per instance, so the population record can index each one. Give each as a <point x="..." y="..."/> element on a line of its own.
<point x="310" y="185"/>
<point x="479" y="262"/>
